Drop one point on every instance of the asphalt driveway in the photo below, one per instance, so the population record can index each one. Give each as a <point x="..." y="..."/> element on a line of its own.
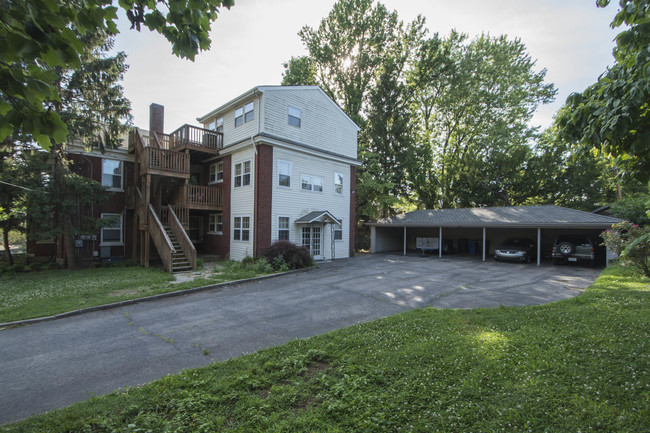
<point x="53" y="364"/>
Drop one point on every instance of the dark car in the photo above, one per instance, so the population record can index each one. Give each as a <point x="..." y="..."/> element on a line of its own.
<point x="517" y="249"/>
<point x="574" y="248"/>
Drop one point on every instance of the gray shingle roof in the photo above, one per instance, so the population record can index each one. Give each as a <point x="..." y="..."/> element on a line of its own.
<point x="513" y="216"/>
<point x="317" y="216"/>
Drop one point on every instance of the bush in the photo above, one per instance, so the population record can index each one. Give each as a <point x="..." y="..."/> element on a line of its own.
<point x="248" y="260"/>
<point x="54" y="265"/>
<point x="36" y="266"/>
<point x="292" y="255"/>
<point x="632" y="243"/>
<point x="16" y="268"/>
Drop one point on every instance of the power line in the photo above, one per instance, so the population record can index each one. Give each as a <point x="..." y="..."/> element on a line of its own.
<point x="16" y="186"/>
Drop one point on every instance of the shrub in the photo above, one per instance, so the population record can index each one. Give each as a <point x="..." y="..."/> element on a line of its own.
<point x="632" y="243"/>
<point x="54" y="265"/>
<point x="36" y="266"/>
<point x="248" y="260"/>
<point x="16" y="268"/>
<point x="199" y="264"/>
<point x="292" y="255"/>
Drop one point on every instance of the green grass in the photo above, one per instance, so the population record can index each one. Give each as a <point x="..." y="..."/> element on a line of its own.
<point x="579" y="365"/>
<point x="45" y="293"/>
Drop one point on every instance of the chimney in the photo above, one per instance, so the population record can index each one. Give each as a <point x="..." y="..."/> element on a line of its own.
<point x="156" y="118"/>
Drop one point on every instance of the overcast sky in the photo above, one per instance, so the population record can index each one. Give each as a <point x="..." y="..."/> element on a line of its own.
<point x="571" y="39"/>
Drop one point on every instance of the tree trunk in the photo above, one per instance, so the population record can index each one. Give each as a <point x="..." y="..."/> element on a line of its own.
<point x="5" y="235"/>
<point x="68" y="245"/>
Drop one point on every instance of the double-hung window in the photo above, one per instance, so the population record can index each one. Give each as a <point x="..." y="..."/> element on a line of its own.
<point x="242" y="174"/>
<point x="338" y="183"/>
<point x="244" y="114"/>
<point x="112" y="174"/>
<point x="284" y="173"/>
<point x="215" y="225"/>
<point x="242" y="229"/>
<point x="216" y="172"/>
<point x="284" y="230"/>
<point x="216" y="125"/>
<point x="338" y="230"/>
<point x="295" y="116"/>
<point x="112" y="232"/>
<point x="311" y="183"/>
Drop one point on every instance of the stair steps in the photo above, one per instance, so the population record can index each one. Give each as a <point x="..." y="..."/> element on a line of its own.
<point x="180" y="262"/>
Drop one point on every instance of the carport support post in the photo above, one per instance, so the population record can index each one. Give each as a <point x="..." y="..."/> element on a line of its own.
<point x="404" y="240"/>
<point x="539" y="246"/>
<point x="484" y="243"/>
<point x="440" y="243"/>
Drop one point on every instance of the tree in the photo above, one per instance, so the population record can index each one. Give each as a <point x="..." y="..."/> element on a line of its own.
<point x="471" y="108"/>
<point x="613" y="115"/>
<point x="39" y="38"/>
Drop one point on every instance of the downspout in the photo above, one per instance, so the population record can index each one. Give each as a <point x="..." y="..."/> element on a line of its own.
<point x="257" y="171"/>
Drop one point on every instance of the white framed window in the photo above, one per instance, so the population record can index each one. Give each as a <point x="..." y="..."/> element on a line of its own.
<point x="338" y="230"/>
<point x="284" y="228"/>
<point x="338" y="183"/>
<point x="239" y="116"/>
<point x="215" y="223"/>
<point x="242" y="229"/>
<point x="216" y="125"/>
<point x="111" y="234"/>
<point x="311" y="183"/>
<point x="242" y="174"/>
<point x="284" y="173"/>
<point x="249" y="112"/>
<point x="112" y="174"/>
<point x="295" y="116"/>
<point x="216" y="172"/>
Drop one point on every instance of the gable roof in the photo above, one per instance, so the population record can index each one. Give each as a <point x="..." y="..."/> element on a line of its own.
<point x="261" y="89"/>
<point x="547" y="216"/>
<point x="317" y="216"/>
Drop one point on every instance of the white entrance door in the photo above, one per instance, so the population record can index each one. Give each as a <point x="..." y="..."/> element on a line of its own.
<point x="311" y="238"/>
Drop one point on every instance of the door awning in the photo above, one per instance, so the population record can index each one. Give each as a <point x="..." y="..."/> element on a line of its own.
<point x="318" y="216"/>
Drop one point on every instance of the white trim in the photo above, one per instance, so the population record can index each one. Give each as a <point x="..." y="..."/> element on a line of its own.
<point x="215" y="164"/>
<point x="277" y="231"/>
<point x="121" y="228"/>
<point x="121" y="164"/>
<point x="278" y="178"/>
<point x="336" y="178"/>
<point x="216" y="223"/>
<point x="241" y="229"/>
<point x="243" y="173"/>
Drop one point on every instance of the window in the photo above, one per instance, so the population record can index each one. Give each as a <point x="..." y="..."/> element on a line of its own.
<point x="283" y="228"/>
<point x="245" y="114"/>
<point x="112" y="232"/>
<point x="294" y="116"/>
<point x="216" y="172"/>
<point x="216" y="125"/>
<point x="242" y="174"/>
<point x="338" y="183"/>
<point x="112" y="173"/>
<point x="242" y="229"/>
<point x="284" y="173"/>
<point x="338" y="230"/>
<point x="249" y="114"/>
<point x="215" y="223"/>
<point x="311" y="183"/>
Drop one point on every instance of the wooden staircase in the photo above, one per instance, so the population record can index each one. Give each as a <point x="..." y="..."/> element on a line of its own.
<point x="180" y="261"/>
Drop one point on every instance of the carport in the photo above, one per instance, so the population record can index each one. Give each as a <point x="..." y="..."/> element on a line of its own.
<point x="480" y="230"/>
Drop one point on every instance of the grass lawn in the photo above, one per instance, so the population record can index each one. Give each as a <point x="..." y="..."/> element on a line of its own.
<point x="44" y="293"/>
<point x="578" y="365"/>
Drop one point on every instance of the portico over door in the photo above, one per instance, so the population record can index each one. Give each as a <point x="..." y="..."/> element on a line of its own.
<point x="312" y="232"/>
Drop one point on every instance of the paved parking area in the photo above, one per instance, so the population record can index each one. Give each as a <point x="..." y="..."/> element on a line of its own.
<point x="53" y="364"/>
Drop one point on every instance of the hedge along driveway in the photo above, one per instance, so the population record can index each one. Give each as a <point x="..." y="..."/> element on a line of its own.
<point x="54" y="364"/>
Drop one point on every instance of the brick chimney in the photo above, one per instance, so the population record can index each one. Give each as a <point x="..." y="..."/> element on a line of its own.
<point x="156" y="118"/>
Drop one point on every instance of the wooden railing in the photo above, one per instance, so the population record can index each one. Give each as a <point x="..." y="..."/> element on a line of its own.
<point x="192" y="136"/>
<point x="140" y="206"/>
<point x="181" y="212"/>
<point x="167" y="160"/>
<point x="162" y="140"/>
<point x="203" y="196"/>
<point x="182" y="238"/>
<point x="160" y="239"/>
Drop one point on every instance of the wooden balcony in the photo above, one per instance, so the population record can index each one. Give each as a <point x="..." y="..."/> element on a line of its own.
<point x="195" y="138"/>
<point x="166" y="162"/>
<point x="199" y="197"/>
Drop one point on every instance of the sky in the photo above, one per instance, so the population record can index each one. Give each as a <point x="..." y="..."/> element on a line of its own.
<point x="571" y="39"/>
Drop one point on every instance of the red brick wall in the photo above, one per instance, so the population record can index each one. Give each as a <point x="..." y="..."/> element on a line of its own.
<point x="220" y="244"/>
<point x="263" y="195"/>
<point x="353" y="208"/>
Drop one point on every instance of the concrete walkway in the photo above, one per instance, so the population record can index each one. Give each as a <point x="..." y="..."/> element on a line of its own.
<point x="53" y="364"/>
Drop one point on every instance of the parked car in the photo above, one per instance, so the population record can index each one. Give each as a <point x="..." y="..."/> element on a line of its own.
<point x="516" y="249"/>
<point x="573" y="248"/>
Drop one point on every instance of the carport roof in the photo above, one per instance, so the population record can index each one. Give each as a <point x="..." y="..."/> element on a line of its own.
<point x="547" y="216"/>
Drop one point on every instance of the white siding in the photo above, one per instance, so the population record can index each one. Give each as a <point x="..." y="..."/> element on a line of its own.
<point x="232" y="134"/>
<point x="295" y="202"/>
<point x="241" y="204"/>
<point x="324" y="126"/>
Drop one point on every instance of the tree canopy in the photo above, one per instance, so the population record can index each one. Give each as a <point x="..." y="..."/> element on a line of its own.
<point x="39" y="36"/>
<point x="613" y="115"/>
